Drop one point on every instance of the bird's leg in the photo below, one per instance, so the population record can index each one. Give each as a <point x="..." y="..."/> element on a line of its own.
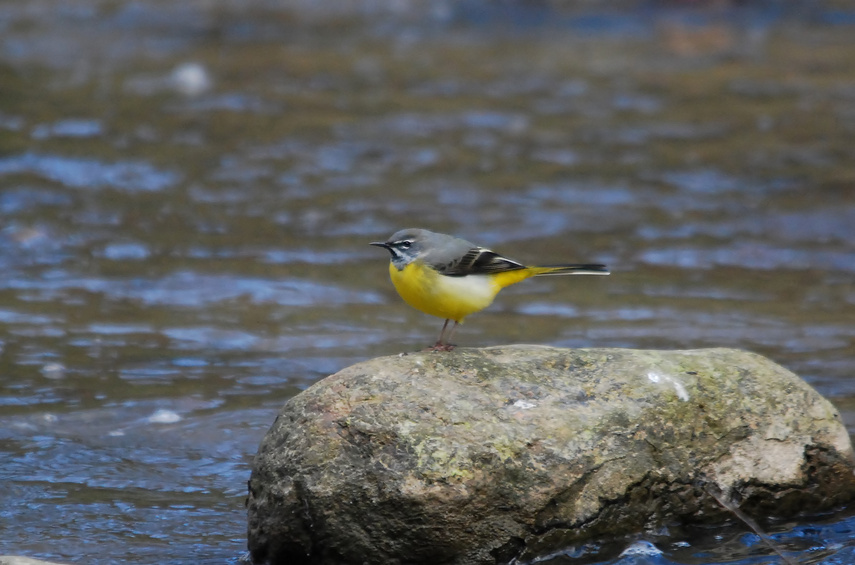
<point x="440" y="344"/>
<point x="450" y="334"/>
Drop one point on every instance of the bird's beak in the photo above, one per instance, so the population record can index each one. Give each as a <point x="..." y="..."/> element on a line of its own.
<point x="379" y="244"/>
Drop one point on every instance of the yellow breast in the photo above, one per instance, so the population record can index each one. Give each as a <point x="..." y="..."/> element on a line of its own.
<point x="446" y="297"/>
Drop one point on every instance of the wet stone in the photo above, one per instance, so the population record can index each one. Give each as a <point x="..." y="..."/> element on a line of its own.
<point x="486" y="455"/>
<point x="22" y="560"/>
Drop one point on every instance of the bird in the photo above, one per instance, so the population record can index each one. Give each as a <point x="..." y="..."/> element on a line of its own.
<point x="451" y="278"/>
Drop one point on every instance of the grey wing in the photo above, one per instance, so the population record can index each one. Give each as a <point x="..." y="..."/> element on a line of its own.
<point x="477" y="261"/>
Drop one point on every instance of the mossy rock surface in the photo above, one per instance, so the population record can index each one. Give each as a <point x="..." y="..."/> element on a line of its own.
<point x="485" y="455"/>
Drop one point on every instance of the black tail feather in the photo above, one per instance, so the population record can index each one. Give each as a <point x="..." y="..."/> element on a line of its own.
<point x="576" y="269"/>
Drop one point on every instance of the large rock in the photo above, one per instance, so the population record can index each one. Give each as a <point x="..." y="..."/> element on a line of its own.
<point x="483" y="455"/>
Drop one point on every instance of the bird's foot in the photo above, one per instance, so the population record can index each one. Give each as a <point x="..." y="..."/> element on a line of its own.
<point x="441" y="347"/>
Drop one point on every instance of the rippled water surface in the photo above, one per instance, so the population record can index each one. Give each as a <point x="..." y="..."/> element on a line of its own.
<point x="187" y="191"/>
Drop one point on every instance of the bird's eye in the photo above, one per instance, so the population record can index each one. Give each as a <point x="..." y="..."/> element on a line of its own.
<point x="406" y="244"/>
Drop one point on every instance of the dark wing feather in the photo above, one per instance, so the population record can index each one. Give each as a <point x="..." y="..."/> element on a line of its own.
<point x="478" y="261"/>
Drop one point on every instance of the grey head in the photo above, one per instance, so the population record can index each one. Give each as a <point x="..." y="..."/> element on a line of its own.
<point x="435" y="249"/>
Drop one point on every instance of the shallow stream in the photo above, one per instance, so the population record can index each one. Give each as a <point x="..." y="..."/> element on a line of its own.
<point x="187" y="191"/>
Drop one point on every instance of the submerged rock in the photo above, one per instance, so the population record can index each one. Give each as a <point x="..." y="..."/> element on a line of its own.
<point x="22" y="560"/>
<point x="485" y="455"/>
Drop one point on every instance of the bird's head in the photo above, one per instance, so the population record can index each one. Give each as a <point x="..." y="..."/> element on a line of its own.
<point x="405" y="245"/>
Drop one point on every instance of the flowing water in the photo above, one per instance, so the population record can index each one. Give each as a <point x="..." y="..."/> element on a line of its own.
<point x="187" y="191"/>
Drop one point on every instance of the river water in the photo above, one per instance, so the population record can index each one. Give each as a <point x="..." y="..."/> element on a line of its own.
<point x="187" y="191"/>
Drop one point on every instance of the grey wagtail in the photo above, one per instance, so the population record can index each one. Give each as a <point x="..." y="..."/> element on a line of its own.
<point x="449" y="277"/>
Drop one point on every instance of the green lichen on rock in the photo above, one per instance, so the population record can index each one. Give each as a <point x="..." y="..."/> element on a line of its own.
<point x="481" y="455"/>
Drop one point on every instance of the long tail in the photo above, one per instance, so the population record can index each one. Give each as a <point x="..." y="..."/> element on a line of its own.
<point x="575" y="269"/>
<point x="513" y="276"/>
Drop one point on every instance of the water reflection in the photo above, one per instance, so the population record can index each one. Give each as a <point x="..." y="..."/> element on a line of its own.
<point x="186" y="194"/>
<point x="88" y="173"/>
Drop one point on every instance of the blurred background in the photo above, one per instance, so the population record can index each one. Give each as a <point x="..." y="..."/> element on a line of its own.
<point x="187" y="191"/>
